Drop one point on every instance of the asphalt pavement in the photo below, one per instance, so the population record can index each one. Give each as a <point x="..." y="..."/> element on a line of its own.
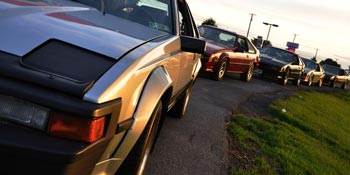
<point x="196" y="144"/>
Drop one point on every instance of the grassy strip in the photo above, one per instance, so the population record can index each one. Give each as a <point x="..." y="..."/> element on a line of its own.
<point x="308" y="133"/>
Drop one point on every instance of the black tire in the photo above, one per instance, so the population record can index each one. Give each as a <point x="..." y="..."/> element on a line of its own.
<point x="220" y="71"/>
<point x="179" y="109"/>
<point x="285" y="78"/>
<point x="344" y="86"/>
<point x="310" y="80"/>
<point x="247" y="76"/>
<point x="136" y="160"/>
<point x="297" y="81"/>
<point x="320" y="82"/>
<point x="332" y="84"/>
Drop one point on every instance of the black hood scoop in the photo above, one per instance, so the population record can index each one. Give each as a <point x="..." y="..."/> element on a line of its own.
<point x="57" y="65"/>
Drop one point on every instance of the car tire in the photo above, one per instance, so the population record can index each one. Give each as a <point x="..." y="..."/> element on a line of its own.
<point x="310" y="80"/>
<point x="285" y="78"/>
<point x="135" y="162"/>
<point x="332" y="84"/>
<point x="179" y="109"/>
<point x="297" y="81"/>
<point x="247" y="76"/>
<point x="344" y="86"/>
<point x="220" y="71"/>
<point x="320" y="82"/>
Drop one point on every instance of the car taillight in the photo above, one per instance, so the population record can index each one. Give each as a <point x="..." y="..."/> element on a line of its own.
<point x="23" y="112"/>
<point x="76" y="128"/>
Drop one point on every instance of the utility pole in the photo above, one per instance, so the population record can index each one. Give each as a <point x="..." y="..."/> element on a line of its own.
<point x="316" y="53"/>
<point x="251" y="19"/>
<point x="295" y="35"/>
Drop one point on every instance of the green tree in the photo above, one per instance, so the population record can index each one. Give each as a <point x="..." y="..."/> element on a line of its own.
<point x="330" y="61"/>
<point x="210" y="21"/>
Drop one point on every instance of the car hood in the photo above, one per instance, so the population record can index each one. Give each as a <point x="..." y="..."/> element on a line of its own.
<point x="266" y="59"/>
<point x="64" y="45"/>
<point x="25" y="25"/>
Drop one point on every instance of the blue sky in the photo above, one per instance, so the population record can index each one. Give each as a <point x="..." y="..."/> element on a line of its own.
<point x="319" y="24"/>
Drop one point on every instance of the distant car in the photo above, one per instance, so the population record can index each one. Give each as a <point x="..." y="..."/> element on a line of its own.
<point x="85" y="84"/>
<point x="313" y="72"/>
<point x="228" y="51"/>
<point x="281" y="64"/>
<point x="336" y="76"/>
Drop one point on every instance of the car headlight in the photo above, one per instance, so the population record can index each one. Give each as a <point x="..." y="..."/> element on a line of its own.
<point x="214" y="57"/>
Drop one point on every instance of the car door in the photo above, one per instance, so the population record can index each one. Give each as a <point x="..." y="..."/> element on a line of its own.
<point x="317" y="73"/>
<point x="252" y="52"/>
<point x="188" y="60"/>
<point x="297" y="66"/>
<point x="239" y="59"/>
<point x="342" y="77"/>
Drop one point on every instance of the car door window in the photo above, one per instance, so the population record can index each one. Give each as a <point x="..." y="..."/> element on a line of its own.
<point x="186" y="27"/>
<point x="242" y="44"/>
<point x="251" y="48"/>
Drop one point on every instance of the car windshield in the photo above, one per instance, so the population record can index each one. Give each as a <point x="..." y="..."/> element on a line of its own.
<point x="309" y="64"/>
<point x="152" y="13"/>
<point x="331" y="69"/>
<point x="218" y="36"/>
<point x="279" y="54"/>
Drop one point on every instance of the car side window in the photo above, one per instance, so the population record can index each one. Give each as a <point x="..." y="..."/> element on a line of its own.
<point x="242" y="44"/>
<point x="250" y="48"/>
<point x="185" y="22"/>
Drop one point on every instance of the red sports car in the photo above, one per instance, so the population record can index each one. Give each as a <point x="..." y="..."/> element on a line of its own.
<point x="228" y="51"/>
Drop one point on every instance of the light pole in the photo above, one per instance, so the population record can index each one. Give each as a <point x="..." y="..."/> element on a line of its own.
<point x="295" y="35"/>
<point x="268" y="33"/>
<point x="251" y="19"/>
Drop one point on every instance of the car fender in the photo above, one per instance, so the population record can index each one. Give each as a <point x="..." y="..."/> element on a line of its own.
<point x="158" y="82"/>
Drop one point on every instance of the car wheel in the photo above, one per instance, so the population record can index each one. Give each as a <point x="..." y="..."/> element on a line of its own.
<point x="135" y="162"/>
<point x="320" y="83"/>
<point x="179" y="109"/>
<point x="344" y="86"/>
<point x="247" y="76"/>
<point x="310" y="80"/>
<point x="332" y="84"/>
<point x="297" y="81"/>
<point x="285" y="79"/>
<point x="221" y="70"/>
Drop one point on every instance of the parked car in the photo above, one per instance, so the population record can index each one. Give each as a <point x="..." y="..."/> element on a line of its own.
<point x="84" y="87"/>
<point x="313" y="72"/>
<point x="336" y="76"/>
<point x="228" y="51"/>
<point x="281" y="64"/>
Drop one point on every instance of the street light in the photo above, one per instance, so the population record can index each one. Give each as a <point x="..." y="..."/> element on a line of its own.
<point x="268" y="33"/>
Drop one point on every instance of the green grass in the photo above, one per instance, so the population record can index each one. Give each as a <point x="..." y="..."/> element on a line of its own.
<point x="308" y="133"/>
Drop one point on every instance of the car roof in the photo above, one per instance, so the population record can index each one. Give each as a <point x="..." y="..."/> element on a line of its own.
<point x="281" y="50"/>
<point x="307" y="59"/>
<point x="328" y="65"/>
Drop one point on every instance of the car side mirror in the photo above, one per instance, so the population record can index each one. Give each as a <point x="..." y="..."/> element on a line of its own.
<point x="194" y="45"/>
